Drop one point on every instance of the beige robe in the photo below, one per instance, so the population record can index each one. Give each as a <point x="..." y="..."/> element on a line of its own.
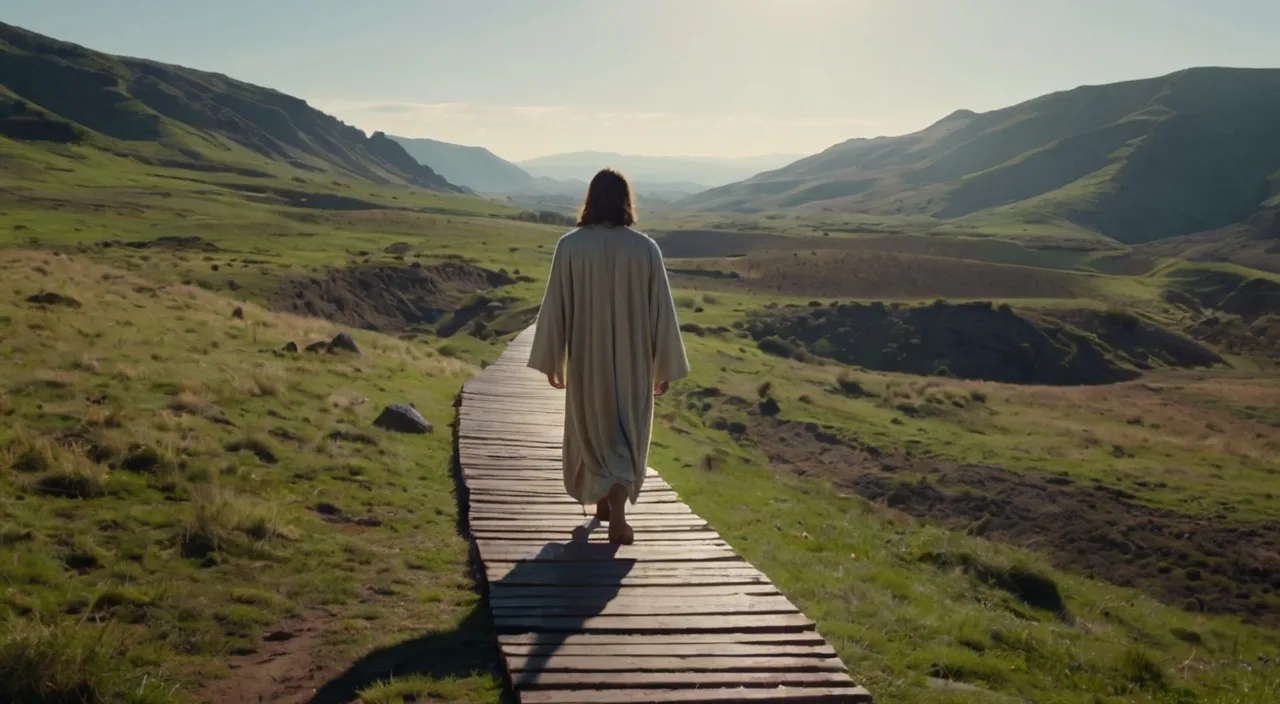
<point x="608" y="313"/>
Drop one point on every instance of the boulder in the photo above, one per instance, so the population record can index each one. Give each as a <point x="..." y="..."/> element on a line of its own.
<point x="343" y="342"/>
<point x="402" y="418"/>
<point x="291" y="347"/>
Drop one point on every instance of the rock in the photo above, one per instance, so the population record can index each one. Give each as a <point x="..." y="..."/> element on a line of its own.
<point x="238" y="313"/>
<point x="769" y="407"/>
<point x="317" y="347"/>
<point x="343" y="341"/>
<point x="325" y="508"/>
<point x="291" y="347"/>
<point x="49" y="298"/>
<point x="401" y="418"/>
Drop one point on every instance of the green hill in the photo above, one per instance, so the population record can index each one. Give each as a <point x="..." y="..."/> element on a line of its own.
<point x="1135" y="161"/>
<point x="474" y="167"/>
<point x="55" y="92"/>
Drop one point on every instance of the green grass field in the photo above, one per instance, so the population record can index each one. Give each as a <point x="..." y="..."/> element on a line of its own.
<point x="182" y="496"/>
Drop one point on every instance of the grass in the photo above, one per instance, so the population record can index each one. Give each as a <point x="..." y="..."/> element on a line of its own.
<point x="160" y="497"/>
<point x="176" y="486"/>
<point x="903" y="600"/>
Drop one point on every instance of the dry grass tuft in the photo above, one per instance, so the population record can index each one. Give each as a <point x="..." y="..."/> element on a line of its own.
<point x="225" y="522"/>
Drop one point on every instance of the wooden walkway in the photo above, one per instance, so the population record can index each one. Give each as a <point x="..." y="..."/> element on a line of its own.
<point x="676" y="617"/>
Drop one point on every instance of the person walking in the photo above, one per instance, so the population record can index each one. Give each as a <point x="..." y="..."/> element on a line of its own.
<point x="607" y="333"/>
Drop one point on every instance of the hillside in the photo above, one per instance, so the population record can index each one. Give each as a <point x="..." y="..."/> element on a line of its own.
<point x="683" y="171"/>
<point x="55" y="92"/>
<point x="1135" y="161"/>
<point x="476" y="168"/>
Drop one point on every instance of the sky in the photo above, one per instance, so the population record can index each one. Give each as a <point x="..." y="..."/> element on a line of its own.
<point x="727" y="78"/>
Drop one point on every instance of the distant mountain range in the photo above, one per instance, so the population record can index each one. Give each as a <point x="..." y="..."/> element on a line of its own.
<point x="567" y="175"/>
<point x="476" y="168"/>
<point x="57" y="92"/>
<point x="706" y="172"/>
<point x="1137" y="161"/>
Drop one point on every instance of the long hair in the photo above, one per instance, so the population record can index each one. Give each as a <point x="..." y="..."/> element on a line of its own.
<point x="608" y="202"/>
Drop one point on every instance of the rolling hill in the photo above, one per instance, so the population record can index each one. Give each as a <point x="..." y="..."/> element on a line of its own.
<point x="1136" y="161"/>
<point x="55" y="92"/>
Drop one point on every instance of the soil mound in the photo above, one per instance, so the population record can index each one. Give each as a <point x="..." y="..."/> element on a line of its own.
<point x="1141" y="344"/>
<point x="1249" y="298"/>
<point x="386" y="298"/>
<point x="1092" y="529"/>
<point x="1240" y="315"/>
<point x="978" y="341"/>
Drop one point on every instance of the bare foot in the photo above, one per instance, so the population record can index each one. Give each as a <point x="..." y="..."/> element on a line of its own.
<point x="620" y="532"/>
<point x="602" y="510"/>
<point x="582" y="532"/>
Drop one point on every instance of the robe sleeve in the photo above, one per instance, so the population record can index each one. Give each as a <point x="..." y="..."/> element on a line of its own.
<point x="551" y="336"/>
<point x="669" y="360"/>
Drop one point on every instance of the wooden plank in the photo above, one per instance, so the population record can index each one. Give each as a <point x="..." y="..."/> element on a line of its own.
<point x="603" y="552"/>
<point x="500" y="591"/>
<point x="672" y="649"/>
<point x="638" y="682"/>
<point x="691" y="663"/>
<point x="646" y="607"/>
<point x="792" y="695"/>
<point x="638" y="511"/>
<point x="598" y="536"/>
<point x="549" y="499"/>
<point x="732" y="623"/>
<point x="599" y="640"/>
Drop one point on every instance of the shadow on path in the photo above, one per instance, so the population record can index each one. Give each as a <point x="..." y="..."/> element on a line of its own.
<point x="547" y="600"/>
<point x="460" y="652"/>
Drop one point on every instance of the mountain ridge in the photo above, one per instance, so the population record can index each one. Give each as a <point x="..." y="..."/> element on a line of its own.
<point x="1133" y="161"/>
<point x="59" y="92"/>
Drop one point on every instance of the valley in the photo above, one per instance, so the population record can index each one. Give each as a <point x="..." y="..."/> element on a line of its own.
<point x="1001" y="454"/>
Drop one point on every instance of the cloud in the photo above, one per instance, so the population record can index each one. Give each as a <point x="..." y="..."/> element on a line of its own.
<point x="524" y="131"/>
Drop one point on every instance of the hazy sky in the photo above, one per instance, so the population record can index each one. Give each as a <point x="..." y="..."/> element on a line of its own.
<point x="666" y="77"/>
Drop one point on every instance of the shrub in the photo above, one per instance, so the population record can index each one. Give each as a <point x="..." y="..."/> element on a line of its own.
<point x="825" y="348"/>
<point x="261" y="448"/>
<point x="1140" y="670"/>
<point x="851" y="386"/>
<point x="779" y="347"/>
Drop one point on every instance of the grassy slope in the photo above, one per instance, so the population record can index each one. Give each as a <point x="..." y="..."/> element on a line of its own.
<point x="1072" y="164"/>
<point x="857" y="567"/>
<point x="187" y="549"/>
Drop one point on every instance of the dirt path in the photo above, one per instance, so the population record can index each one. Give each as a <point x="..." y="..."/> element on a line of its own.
<point x="287" y="668"/>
